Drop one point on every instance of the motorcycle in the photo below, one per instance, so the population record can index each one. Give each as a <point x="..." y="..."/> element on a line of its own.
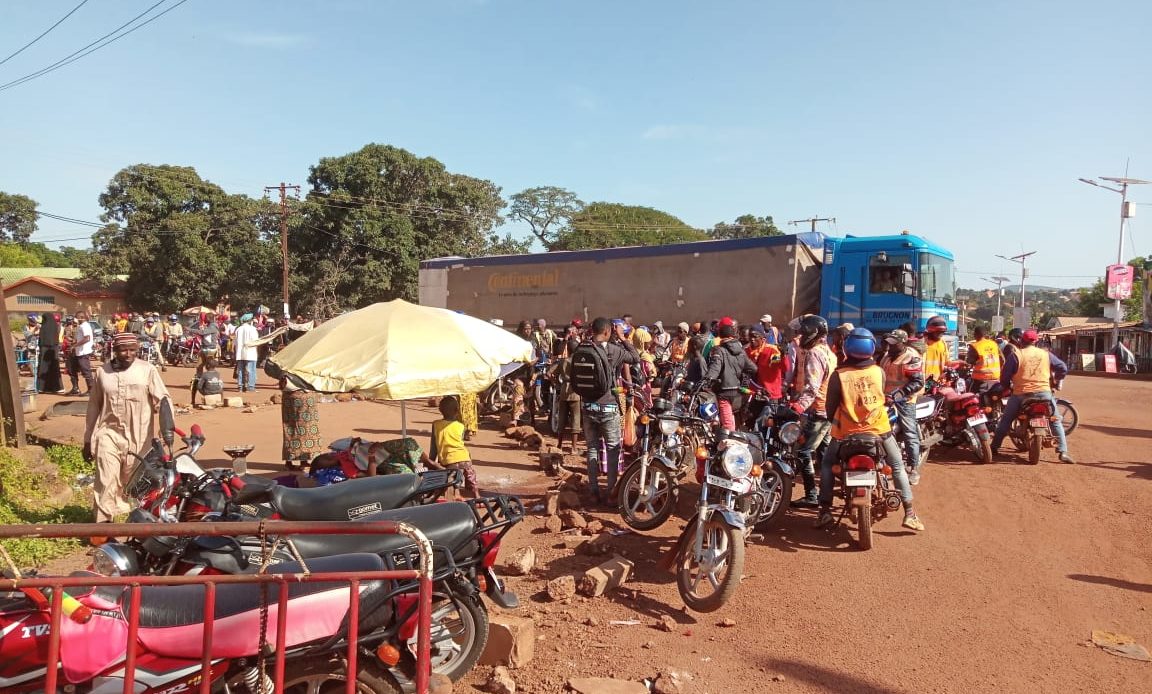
<point x="958" y="418"/>
<point x="647" y="491"/>
<point x="1032" y="429"/>
<point x="708" y="558"/>
<point x="150" y="353"/>
<point x="780" y="429"/>
<point x="865" y="484"/>
<point x="94" y="657"/>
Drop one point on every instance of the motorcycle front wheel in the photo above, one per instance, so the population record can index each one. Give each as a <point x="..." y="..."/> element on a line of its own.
<point x="459" y="633"/>
<point x="648" y="507"/>
<point x="328" y="674"/>
<point x="705" y="584"/>
<point x="777" y="491"/>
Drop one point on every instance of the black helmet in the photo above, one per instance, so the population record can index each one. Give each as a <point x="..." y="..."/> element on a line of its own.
<point x="936" y="326"/>
<point x="1015" y="334"/>
<point x="812" y="328"/>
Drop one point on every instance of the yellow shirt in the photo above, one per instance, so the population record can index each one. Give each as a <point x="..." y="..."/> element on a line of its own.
<point x="449" y="439"/>
<point x="935" y="357"/>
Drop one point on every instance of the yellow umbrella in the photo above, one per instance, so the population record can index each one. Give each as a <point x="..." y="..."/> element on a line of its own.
<point x="400" y="351"/>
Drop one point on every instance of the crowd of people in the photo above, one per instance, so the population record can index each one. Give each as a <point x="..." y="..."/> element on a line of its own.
<point x="841" y="379"/>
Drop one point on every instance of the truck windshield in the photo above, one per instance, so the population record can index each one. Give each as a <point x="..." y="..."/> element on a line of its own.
<point x="936" y="281"/>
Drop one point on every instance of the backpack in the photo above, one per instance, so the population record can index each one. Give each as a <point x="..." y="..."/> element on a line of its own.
<point x="591" y="372"/>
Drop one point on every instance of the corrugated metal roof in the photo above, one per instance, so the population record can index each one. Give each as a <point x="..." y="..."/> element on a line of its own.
<point x="8" y="275"/>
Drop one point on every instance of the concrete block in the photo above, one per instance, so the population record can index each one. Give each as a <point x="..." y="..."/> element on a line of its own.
<point x="608" y="576"/>
<point x="511" y="641"/>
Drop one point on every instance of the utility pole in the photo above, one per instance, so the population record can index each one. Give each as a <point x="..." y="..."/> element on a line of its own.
<point x="999" y="282"/>
<point x="812" y="221"/>
<point x="283" y="188"/>
<point x="1127" y="210"/>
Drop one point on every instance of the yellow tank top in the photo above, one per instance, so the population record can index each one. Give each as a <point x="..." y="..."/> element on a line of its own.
<point x="861" y="408"/>
<point x="987" y="368"/>
<point x="935" y="357"/>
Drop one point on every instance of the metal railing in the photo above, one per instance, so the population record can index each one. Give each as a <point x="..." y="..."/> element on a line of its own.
<point x="422" y="574"/>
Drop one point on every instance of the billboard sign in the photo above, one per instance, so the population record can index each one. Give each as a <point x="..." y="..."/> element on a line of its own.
<point x="1119" y="281"/>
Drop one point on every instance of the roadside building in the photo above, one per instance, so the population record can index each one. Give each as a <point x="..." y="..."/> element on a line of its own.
<point x="39" y="294"/>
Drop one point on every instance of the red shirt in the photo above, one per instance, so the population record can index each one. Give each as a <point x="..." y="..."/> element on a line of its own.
<point x="769" y="368"/>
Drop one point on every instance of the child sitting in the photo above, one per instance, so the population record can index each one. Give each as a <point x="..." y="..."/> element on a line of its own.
<point x="208" y="382"/>
<point x="448" y="450"/>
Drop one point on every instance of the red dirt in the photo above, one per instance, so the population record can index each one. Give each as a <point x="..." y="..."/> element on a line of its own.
<point x="1016" y="568"/>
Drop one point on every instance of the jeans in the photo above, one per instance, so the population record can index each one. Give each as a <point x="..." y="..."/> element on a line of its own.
<point x="909" y="432"/>
<point x="815" y="431"/>
<point x="891" y="454"/>
<point x="1012" y="409"/>
<point x="602" y="426"/>
<point x="246" y="375"/>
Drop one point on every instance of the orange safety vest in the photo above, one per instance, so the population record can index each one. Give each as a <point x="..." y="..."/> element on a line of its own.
<point x="935" y="358"/>
<point x="988" y="366"/>
<point x="801" y="377"/>
<point x="1034" y="374"/>
<point x="861" y="408"/>
<point x="896" y="370"/>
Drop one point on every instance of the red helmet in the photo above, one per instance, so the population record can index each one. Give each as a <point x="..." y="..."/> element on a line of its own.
<point x="937" y="325"/>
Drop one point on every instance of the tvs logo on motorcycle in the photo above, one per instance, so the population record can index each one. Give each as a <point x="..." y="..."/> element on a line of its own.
<point x="354" y="513"/>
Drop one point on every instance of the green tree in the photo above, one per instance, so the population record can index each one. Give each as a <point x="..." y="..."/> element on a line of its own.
<point x="16" y="255"/>
<point x="746" y="226"/>
<point x="1092" y="298"/>
<point x="374" y="214"/>
<point x="608" y="225"/>
<point x="181" y="240"/>
<point x="17" y="217"/>
<point x="546" y="210"/>
<point x="506" y="245"/>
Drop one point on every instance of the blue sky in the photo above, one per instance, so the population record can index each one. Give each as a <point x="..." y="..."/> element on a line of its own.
<point x="968" y="123"/>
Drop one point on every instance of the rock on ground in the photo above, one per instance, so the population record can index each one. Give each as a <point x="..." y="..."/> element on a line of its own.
<point x="605" y="685"/>
<point x="511" y="641"/>
<point x="562" y="588"/>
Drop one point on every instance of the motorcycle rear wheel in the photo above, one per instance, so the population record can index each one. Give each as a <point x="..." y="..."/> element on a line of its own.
<point x="724" y="545"/>
<point x="652" y="512"/>
<point x="1035" y="443"/>
<point x="459" y="633"/>
<point x="777" y="490"/>
<point x="1068" y="415"/>
<point x="863" y="518"/>
<point x="326" y="675"/>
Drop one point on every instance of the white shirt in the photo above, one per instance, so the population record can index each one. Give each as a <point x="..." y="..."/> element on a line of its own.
<point x="83" y="330"/>
<point x="244" y="334"/>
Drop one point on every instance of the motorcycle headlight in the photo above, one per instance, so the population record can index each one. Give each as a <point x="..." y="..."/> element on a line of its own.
<point x="737" y="460"/>
<point x="114" y="559"/>
<point x="790" y="433"/>
<point x="669" y="426"/>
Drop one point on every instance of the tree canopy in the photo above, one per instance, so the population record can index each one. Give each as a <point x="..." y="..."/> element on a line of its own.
<point x="17" y="217"/>
<point x="608" y="225"/>
<point x="746" y="226"/>
<point x="1092" y="298"/>
<point x="547" y="210"/>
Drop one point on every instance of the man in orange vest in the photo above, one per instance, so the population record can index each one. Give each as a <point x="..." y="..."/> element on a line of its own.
<point x="936" y="349"/>
<point x="1029" y="372"/>
<point x="814" y="366"/>
<point x="904" y="379"/>
<point x="856" y="403"/>
<point x="984" y="356"/>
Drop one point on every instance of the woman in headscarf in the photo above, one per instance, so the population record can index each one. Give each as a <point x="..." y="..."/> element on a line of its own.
<point x="470" y="414"/>
<point x="48" y="370"/>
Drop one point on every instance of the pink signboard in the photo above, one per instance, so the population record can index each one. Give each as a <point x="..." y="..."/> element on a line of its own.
<point x="1119" y="281"/>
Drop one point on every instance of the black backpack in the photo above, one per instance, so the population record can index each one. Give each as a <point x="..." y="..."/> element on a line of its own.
<point x="591" y="372"/>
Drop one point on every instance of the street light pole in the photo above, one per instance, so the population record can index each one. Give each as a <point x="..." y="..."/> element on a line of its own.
<point x="1126" y="211"/>
<point x="1022" y="260"/>
<point x="999" y="282"/>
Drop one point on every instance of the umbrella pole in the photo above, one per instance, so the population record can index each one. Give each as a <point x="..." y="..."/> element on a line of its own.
<point x="403" y="420"/>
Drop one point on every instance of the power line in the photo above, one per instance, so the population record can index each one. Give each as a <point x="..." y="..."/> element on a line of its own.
<point x="45" y="33"/>
<point x="68" y="60"/>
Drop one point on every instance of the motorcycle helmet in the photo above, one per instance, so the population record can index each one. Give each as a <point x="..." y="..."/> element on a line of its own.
<point x="811" y="328"/>
<point x="937" y="325"/>
<point x="1029" y="336"/>
<point x="1015" y="334"/>
<point x="173" y="318"/>
<point x="708" y="411"/>
<point x="860" y="344"/>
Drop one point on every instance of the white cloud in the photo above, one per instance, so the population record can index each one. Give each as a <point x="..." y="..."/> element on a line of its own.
<point x="267" y="40"/>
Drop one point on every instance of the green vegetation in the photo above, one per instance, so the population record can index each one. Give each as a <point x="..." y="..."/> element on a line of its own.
<point x="24" y="500"/>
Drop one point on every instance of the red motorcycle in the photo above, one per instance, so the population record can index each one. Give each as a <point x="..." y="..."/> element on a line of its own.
<point x="960" y="418"/>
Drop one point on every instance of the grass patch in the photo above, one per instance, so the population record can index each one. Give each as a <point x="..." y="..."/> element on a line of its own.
<point x="25" y="501"/>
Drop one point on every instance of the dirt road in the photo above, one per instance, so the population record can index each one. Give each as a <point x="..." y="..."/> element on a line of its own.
<point x="1018" y="565"/>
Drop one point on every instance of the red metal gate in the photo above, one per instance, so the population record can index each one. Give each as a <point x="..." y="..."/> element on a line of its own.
<point x="423" y="575"/>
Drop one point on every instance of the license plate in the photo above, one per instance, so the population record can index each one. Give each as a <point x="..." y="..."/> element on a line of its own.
<point x="860" y="478"/>
<point x="723" y="483"/>
<point x="978" y="419"/>
<point x="1038" y="422"/>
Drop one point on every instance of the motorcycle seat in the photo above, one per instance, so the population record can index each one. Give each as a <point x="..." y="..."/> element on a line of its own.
<point x="172" y="617"/>
<point x="448" y="524"/>
<point x="350" y="500"/>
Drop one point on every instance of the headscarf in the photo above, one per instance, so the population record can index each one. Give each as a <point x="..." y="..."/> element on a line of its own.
<point x="49" y="331"/>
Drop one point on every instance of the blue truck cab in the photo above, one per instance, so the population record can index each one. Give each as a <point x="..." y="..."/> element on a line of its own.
<point x="883" y="282"/>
